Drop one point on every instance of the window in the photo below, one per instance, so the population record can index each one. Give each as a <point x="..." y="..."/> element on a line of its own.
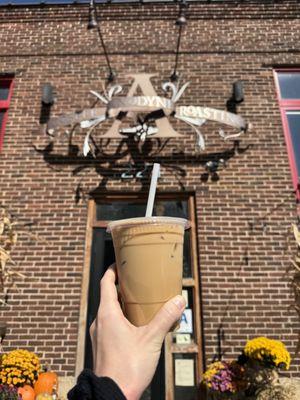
<point x="183" y="348"/>
<point x="288" y="90"/>
<point x="5" y="96"/>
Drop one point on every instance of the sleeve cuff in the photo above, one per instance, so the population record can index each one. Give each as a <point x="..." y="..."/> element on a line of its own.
<point x="91" y="387"/>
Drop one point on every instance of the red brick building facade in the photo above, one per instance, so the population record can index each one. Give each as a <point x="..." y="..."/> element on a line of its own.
<point x="243" y="215"/>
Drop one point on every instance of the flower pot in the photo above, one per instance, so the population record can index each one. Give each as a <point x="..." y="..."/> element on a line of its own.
<point x="259" y="376"/>
<point x="213" y="395"/>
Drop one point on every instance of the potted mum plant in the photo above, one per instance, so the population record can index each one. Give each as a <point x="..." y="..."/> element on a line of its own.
<point x="19" y="369"/>
<point x="262" y="358"/>
<point x="224" y="380"/>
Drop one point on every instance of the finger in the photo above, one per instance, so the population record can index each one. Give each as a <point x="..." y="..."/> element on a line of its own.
<point x="108" y="292"/>
<point x="108" y="286"/>
<point x="93" y="341"/>
<point x="166" y="317"/>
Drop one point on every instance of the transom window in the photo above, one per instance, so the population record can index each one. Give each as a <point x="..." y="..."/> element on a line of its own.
<point x="288" y="90"/>
<point x="5" y="96"/>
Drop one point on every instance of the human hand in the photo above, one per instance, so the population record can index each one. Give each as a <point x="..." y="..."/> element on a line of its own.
<point x="123" y="352"/>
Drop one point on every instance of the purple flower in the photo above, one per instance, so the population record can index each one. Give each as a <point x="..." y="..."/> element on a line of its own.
<point x="9" y="392"/>
<point x="227" y="379"/>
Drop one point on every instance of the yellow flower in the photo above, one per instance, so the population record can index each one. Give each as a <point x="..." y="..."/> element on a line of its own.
<point x="212" y="369"/>
<point x="268" y="350"/>
<point x="19" y="364"/>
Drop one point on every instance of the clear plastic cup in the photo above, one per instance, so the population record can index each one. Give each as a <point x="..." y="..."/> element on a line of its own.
<point x="149" y="257"/>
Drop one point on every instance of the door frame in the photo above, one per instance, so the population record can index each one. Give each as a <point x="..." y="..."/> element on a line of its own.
<point x="193" y="283"/>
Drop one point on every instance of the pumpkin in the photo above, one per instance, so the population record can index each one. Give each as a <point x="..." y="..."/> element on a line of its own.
<point x="47" y="382"/>
<point x="44" y="396"/>
<point x="26" y="392"/>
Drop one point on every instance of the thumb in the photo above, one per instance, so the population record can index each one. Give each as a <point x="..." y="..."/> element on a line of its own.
<point x="166" y="317"/>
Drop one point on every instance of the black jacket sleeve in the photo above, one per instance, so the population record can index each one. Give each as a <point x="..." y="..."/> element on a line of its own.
<point x="91" y="387"/>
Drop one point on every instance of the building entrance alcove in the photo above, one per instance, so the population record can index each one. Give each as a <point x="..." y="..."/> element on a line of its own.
<point x="182" y="352"/>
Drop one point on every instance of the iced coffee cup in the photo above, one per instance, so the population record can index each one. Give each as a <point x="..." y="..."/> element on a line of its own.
<point x="149" y="256"/>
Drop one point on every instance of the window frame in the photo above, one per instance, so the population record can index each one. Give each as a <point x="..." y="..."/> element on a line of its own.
<point x="4" y="105"/>
<point x="284" y="106"/>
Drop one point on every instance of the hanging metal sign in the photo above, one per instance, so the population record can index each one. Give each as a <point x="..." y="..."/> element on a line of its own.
<point x="150" y="114"/>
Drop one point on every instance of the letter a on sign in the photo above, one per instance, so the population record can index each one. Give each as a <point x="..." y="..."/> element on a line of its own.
<point x="143" y="82"/>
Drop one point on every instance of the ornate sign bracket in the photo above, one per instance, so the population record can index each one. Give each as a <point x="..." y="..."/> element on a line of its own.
<point x="150" y="114"/>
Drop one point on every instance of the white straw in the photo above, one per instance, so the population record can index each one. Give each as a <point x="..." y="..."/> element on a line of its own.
<point x="152" y="190"/>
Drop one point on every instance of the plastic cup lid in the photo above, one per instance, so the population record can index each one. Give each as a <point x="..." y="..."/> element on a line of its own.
<point x="122" y="223"/>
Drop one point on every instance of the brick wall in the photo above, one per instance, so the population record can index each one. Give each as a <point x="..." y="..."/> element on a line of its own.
<point x="242" y="264"/>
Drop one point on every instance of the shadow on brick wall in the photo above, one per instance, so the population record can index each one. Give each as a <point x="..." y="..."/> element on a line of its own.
<point x="133" y="160"/>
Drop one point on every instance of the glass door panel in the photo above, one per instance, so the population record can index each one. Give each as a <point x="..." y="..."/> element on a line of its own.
<point x="102" y="256"/>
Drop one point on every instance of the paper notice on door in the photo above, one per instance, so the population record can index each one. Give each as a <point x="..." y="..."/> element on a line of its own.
<point x="184" y="373"/>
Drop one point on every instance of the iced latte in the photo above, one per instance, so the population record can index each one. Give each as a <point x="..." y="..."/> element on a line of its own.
<point x="149" y="254"/>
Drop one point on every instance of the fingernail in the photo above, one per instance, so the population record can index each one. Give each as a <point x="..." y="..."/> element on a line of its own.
<point x="179" y="301"/>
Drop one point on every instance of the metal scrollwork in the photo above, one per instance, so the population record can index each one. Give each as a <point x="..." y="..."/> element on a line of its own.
<point x="144" y="109"/>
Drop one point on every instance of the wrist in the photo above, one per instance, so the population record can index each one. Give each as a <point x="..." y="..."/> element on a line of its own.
<point x="129" y="391"/>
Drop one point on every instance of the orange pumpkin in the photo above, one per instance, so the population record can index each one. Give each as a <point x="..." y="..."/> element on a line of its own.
<point x="47" y="382"/>
<point x="26" y="392"/>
